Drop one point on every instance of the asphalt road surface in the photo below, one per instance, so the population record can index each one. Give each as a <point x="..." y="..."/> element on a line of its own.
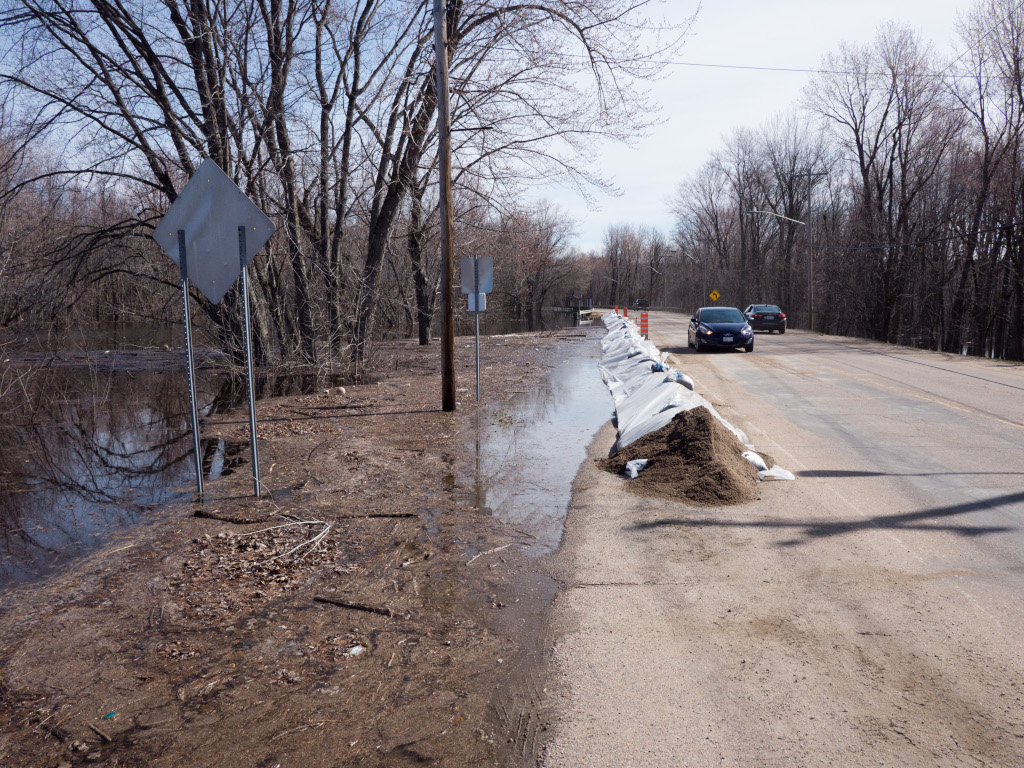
<point x="869" y="613"/>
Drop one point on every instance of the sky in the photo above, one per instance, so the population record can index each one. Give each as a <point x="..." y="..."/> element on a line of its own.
<point x="700" y="106"/>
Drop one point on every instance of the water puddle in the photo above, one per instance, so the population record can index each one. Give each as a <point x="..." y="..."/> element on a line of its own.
<point x="527" y="449"/>
<point x="94" y="435"/>
<point x="84" y="455"/>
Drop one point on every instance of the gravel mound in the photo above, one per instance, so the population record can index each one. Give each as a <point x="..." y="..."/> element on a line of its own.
<point x="693" y="458"/>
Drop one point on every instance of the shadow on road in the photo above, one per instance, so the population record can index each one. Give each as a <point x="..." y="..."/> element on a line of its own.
<point x="865" y="473"/>
<point x="688" y="351"/>
<point x="818" y="530"/>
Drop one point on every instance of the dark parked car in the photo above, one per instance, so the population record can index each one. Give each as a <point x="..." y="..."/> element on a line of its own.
<point x="766" y="317"/>
<point x="719" y="328"/>
<point x="642" y="304"/>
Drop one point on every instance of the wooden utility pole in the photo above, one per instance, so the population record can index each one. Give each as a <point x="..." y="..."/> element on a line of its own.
<point x="444" y="155"/>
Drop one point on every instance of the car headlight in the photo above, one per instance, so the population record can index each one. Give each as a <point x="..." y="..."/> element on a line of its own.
<point x="746" y="331"/>
<point x="705" y="330"/>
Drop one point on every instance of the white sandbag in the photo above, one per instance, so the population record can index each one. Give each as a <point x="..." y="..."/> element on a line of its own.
<point x="756" y="460"/>
<point x="633" y="467"/>
<point x="678" y="377"/>
<point x="645" y="399"/>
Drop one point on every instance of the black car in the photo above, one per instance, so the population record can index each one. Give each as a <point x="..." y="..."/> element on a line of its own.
<point x="642" y="304"/>
<point x="719" y="328"/>
<point x="766" y="317"/>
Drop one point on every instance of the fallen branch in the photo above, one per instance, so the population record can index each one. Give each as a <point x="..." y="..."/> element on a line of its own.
<point x="313" y="450"/>
<point x="378" y="514"/>
<point x="488" y="552"/>
<point x="295" y="521"/>
<point x="295" y="730"/>
<point x="357" y="606"/>
<point x="100" y="733"/>
<point x="312" y="543"/>
<point x="239" y="518"/>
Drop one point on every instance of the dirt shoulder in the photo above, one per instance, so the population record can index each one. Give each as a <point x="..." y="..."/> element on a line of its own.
<point x="355" y="620"/>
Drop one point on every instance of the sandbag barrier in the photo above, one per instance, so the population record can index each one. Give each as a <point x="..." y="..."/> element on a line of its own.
<point x="648" y="393"/>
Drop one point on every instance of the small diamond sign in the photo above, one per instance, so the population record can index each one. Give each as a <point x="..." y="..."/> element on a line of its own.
<point x="210" y="209"/>
<point x="715" y="295"/>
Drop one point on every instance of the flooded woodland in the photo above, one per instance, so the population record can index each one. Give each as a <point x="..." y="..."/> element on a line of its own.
<point x="94" y="434"/>
<point x="382" y="604"/>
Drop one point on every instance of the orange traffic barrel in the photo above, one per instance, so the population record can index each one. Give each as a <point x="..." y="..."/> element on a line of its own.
<point x="643" y="323"/>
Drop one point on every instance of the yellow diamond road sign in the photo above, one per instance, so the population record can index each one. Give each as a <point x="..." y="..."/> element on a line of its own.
<point x="715" y="295"/>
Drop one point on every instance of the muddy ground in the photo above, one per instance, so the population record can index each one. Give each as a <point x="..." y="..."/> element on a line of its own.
<point x="368" y="615"/>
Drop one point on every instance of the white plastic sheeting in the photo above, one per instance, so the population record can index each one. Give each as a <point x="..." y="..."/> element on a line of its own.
<point x="775" y="473"/>
<point x="648" y="393"/>
<point x="645" y="401"/>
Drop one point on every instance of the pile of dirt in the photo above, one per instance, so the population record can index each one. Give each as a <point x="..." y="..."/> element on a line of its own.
<point x="692" y="458"/>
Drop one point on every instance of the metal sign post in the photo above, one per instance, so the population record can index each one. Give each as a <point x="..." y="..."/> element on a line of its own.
<point x="476" y="321"/>
<point x="249" y="379"/>
<point x="190" y="362"/>
<point x="477" y="282"/>
<point x="201" y="231"/>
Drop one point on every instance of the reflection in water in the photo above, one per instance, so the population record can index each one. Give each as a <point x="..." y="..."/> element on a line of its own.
<point x="89" y="443"/>
<point x="84" y="453"/>
<point x="529" y="448"/>
<point x="94" y="432"/>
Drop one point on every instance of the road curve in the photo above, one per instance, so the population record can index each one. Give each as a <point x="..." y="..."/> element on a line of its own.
<point x="869" y="613"/>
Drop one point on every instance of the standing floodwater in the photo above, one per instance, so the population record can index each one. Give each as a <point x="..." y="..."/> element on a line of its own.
<point x="84" y="450"/>
<point x="529" y="448"/>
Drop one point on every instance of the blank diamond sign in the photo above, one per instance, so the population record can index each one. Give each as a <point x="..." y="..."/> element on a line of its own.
<point x="210" y="209"/>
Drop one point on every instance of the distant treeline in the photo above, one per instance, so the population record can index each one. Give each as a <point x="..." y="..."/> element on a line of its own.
<point x="907" y="171"/>
<point x="323" y="111"/>
<point x="901" y="171"/>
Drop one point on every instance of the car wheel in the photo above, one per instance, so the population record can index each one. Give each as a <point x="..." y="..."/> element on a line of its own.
<point x="698" y="346"/>
<point x="689" y="343"/>
<point x="782" y="330"/>
<point x="749" y="347"/>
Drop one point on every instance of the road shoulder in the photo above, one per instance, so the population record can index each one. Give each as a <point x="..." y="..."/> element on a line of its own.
<point x="785" y="631"/>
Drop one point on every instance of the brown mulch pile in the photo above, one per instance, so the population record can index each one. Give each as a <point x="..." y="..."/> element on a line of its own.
<point x="693" y="458"/>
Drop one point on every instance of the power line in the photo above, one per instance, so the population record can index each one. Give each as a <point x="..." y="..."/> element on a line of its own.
<point x="808" y="71"/>
<point x="945" y="73"/>
<point x="998" y="24"/>
<point x="759" y="68"/>
<point x="747" y="67"/>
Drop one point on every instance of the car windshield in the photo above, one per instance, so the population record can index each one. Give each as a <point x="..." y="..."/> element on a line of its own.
<point x="722" y="315"/>
<point x="766" y="308"/>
